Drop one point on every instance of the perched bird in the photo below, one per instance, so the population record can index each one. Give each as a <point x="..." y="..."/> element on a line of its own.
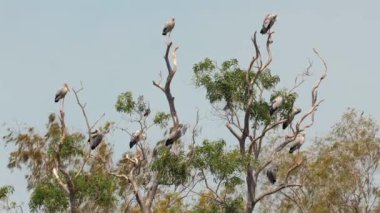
<point x="175" y="134"/>
<point x="96" y="138"/>
<point x="168" y="27"/>
<point x="272" y="174"/>
<point x="268" y="23"/>
<point x="61" y="93"/>
<point x="300" y="139"/>
<point x="147" y="112"/>
<point x="290" y="118"/>
<point x="136" y="137"/>
<point x="276" y="104"/>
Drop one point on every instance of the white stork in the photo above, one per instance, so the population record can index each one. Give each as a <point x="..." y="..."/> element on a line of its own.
<point x="96" y="138"/>
<point x="168" y="27"/>
<point x="61" y="93"/>
<point x="268" y="23"/>
<point x="272" y="174"/>
<point x="175" y="134"/>
<point x="136" y="137"/>
<point x="300" y="139"/>
<point x="276" y="104"/>
<point x="290" y="118"/>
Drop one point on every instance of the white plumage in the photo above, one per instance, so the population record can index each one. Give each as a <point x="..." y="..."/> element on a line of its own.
<point x="61" y="93"/>
<point x="136" y="137"/>
<point x="168" y="27"/>
<point x="276" y="103"/>
<point x="268" y="23"/>
<point x="297" y="143"/>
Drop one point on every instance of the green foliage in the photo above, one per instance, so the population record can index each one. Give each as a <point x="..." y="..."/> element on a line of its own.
<point x="260" y="114"/>
<point x="125" y="103"/>
<point x="228" y="83"/>
<point x="223" y="165"/>
<point x="288" y="101"/>
<point x="207" y="203"/>
<point x="161" y="119"/>
<point x="49" y="197"/>
<point x="172" y="169"/>
<point x="98" y="188"/>
<point x="342" y="166"/>
<point x="72" y="146"/>
<point x="6" y="191"/>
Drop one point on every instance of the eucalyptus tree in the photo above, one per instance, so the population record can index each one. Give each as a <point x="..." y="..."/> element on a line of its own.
<point x="61" y="171"/>
<point x="341" y="171"/>
<point x="239" y="97"/>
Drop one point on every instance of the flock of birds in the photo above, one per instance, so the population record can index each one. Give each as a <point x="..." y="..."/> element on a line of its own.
<point x="96" y="136"/>
<point x="296" y="144"/>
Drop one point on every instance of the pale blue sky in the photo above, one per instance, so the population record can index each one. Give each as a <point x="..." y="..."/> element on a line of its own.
<point x="114" y="46"/>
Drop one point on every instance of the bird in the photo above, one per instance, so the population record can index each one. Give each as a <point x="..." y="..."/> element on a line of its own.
<point x="96" y="137"/>
<point x="276" y="104"/>
<point x="168" y="27"/>
<point x="147" y="112"/>
<point x="272" y="174"/>
<point x="175" y="134"/>
<point x="61" y="93"/>
<point x="300" y="139"/>
<point x="136" y="137"/>
<point x="290" y="118"/>
<point x="268" y="23"/>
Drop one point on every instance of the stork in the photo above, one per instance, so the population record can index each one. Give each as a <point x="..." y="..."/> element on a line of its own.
<point x="136" y="137"/>
<point x="61" y="93"/>
<point x="290" y="118"/>
<point x="276" y="104"/>
<point x="96" y="137"/>
<point x="175" y="134"/>
<point x="300" y="139"/>
<point x="268" y="23"/>
<point x="147" y="112"/>
<point x="272" y="174"/>
<point x="168" y="27"/>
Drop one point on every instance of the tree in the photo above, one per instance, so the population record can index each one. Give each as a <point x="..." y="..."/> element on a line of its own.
<point x="62" y="171"/>
<point x="5" y="203"/>
<point x="163" y="173"/>
<point x="238" y="96"/>
<point x="340" y="172"/>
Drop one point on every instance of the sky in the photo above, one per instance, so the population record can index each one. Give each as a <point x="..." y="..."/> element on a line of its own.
<point x="117" y="46"/>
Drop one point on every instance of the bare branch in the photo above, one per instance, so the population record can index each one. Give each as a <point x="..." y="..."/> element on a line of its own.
<point x="304" y="74"/>
<point x="282" y="186"/>
<point x="76" y="92"/>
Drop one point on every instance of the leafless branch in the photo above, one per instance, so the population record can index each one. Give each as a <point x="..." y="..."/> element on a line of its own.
<point x="298" y="82"/>
<point x="314" y="95"/>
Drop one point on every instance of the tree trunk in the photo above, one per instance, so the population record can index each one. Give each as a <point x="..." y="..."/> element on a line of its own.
<point x="73" y="203"/>
<point x="251" y="185"/>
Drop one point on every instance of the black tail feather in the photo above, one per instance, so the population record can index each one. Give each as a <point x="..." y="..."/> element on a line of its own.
<point x="169" y="142"/>
<point x="95" y="144"/>
<point x="285" y="124"/>
<point x="271" y="177"/>
<point x="132" y="143"/>
<point x="164" y="32"/>
<point x="294" y="148"/>
<point x="271" y="110"/>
